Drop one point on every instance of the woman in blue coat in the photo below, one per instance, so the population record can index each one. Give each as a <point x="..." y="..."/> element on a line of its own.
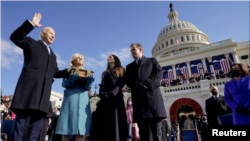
<point x="111" y="119"/>
<point x="237" y="94"/>
<point x="75" y="114"/>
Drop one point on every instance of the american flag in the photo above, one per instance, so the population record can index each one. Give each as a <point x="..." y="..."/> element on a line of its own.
<point x="185" y="81"/>
<point x="194" y="67"/>
<point x="170" y="75"/>
<point x="220" y="62"/>
<point x="177" y="41"/>
<point x="183" y="70"/>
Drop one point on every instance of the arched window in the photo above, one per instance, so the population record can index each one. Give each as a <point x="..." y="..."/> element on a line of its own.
<point x="166" y="43"/>
<point x="162" y="45"/>
<point x="178" y="25"/>
<point x="171" y="42"/>
<point x="174" y="26"/>
<point x="182" y="39"/>
<point x="187" y="38"/>
<point x="159" y="48"/>
<point x="170" y="27"/>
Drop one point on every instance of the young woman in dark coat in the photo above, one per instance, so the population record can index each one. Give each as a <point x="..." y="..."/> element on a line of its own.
<point x="111" y="121"/>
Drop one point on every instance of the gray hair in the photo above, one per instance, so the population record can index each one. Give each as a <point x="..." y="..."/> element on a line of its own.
<point x="44" y="31"/>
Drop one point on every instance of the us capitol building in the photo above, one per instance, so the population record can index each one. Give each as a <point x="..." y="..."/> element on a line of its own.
<point x="187" y="99"/>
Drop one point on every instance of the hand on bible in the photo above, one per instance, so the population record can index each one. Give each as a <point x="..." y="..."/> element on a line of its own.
<point x="36" y="19"/>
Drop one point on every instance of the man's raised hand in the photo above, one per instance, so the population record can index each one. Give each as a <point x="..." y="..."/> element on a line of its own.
<point x="36" y="19"/>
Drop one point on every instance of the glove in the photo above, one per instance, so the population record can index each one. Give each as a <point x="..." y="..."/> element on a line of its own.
<point x="90" y="79"/>
<point x="104" y="95"/>
<point x="242" y="110"/>
<point x="141" y="87"/>
<point x="73" y="77"/>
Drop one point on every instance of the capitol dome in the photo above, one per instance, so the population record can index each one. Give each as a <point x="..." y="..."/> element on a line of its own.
<point x="187" y="33"/>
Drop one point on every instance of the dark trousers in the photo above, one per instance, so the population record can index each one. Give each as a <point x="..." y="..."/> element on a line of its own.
<point x="150" y="129"/>
<point x="34" y="127"/>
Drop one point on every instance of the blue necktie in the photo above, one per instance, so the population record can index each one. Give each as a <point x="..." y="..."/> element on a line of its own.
<point x="139" y="62"/>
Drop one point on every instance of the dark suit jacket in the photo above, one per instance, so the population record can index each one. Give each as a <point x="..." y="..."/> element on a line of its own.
<point x="149" y="104"/>
<point x="213" y="109"/>
<point x="33" y="88"/>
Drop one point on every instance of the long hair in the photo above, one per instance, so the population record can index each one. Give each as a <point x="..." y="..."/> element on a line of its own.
<point x="243" y="68"/>
<point x="74" y="57"/>
<point x="129" y="99"/>
<point x="119" y="70"/>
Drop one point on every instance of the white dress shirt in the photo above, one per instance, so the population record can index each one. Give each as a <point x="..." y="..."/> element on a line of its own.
<point x="42" y="40"/>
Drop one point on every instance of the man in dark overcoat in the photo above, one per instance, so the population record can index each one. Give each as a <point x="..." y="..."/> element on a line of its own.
<point x="33" y="89"/>
<point x="143" y="77"/>
<point x="165" y="131"/>
<point x="216" y="105"/>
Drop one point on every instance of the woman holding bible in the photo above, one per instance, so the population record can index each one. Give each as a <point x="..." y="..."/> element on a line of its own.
<point x="75" y="114"/>
<point x="111" y="121"/>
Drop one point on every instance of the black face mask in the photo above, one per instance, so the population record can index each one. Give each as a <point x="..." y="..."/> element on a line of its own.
<point x="214" y="92"/>
<point x="235" y="73"/>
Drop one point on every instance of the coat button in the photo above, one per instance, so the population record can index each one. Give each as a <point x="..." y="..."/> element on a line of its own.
<point x="46" y="75"/>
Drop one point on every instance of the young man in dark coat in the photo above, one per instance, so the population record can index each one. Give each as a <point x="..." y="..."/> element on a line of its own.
<point x="165" y="131"/>
<point x="32" y="93"/>
<point x="143" y="77"/>
<point x="215" y="106"/>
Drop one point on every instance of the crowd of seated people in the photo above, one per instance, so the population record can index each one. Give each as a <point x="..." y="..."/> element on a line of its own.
<point x="194" y="78"/>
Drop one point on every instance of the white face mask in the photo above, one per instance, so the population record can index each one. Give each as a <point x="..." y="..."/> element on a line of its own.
<point x="57" y="113"/>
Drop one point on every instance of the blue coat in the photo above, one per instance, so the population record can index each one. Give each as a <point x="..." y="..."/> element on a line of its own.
<point x="75" y="114"/>
<point x="238" y="96"/>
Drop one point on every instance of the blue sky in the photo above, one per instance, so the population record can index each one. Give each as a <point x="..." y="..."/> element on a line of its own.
<point x="97" y="29"/>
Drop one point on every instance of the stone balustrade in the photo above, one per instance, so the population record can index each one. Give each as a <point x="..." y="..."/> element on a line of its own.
<point x="200" y="87"/>
<point x="204" y="47"/>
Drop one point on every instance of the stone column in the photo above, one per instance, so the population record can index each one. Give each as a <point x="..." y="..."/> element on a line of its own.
<point x="227" y="56"/>
<point x="211" y="67"/>
<point x="236" y="57"/>
<point x="189" y="70"/>
<point x="204" y="63"/>
<point x="173" y="67"/>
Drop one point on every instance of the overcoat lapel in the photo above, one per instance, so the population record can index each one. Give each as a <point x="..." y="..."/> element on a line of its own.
<point x="143" y="60"/>
<point x="44" y="47"/>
